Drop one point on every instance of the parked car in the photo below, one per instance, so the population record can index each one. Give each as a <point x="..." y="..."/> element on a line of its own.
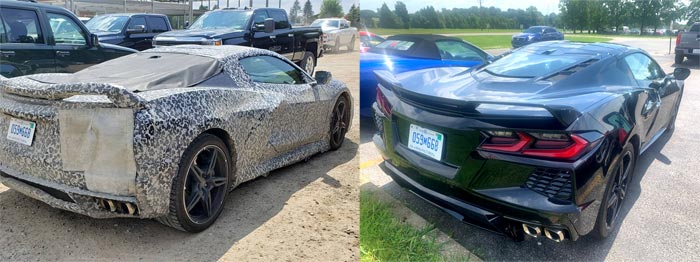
<point x="168" y="145"/>
<point x="369" y="40"/>
<point x="336" y="33"/>
<point x="401" y="53"/>
<point x="266" y="28"/>
<point x="688" y="44"/>
<point x="129" y="30"/>
<point x="536" y="34"/>
<point x="542" y="142"/>
<point x="84" y="19"/>
<point x="64" y="46"/>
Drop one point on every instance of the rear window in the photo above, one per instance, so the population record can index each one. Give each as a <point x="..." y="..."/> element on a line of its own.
<point x="526" y="64"/>
<point x="401" y="45"/>
<point x="695" y="28"/>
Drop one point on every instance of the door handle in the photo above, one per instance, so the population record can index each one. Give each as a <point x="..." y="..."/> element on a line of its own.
<point x="62" y="53"/>
<point x="290" y="35"/>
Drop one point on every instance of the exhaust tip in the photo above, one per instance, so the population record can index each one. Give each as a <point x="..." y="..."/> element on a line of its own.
<point x="555" y="235"/>
<point x="532" y="231"/>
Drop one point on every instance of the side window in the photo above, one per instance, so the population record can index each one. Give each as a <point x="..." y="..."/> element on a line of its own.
<point x="21" y="26"/>
<point x="157" y="24"/>
<point x="3" y="34"/>
<point x="280" y="18"/>
<point x="549" y="30"/>
<point x="643" y="68"/>
<point x="259" y="17"/>
<point x="456" y="50"/>
<point x="271" y="70"/>
<point x="137" y="21"/>
<point x="65" y="30"/>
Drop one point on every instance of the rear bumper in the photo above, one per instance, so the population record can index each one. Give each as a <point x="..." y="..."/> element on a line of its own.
<point x="686" y="51"/>
<point x="92" y="204"/>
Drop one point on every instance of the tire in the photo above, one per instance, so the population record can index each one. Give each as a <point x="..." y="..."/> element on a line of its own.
<point x="340" y="117"/>
<point x="672" y="123"/>
<point x="336" y="47"/>
<point x="210" y="181"/>
<point x="679" y="59"/>
<point x="616" y="188"/>
<point x="308" y="63"/>
<point x="351" y="45"/>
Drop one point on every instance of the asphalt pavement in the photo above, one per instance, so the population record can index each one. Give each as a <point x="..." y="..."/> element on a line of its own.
<point x="659" y="219"/>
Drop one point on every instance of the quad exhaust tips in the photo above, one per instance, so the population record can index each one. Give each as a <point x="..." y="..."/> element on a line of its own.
<point x="556" y="235"/>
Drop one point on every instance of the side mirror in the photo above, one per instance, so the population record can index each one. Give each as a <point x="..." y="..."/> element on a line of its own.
<point x="269" y="25"/>
<point x="187" y="24"/>
<point x="323" y="77"/>
<point x="681" y="73"/>
<point x="94" y="40"/>
<point x="136" y="29"/>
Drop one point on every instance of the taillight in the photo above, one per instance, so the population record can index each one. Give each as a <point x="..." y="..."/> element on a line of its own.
<point x="678" y="38"/>
<point x="382" y="103"/>
<point x="548" y="145"/>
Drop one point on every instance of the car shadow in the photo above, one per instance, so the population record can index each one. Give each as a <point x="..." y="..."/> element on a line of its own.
<point x="689" y="63"/>
<point x="367" y="129"/>
<point x="490" y="246"/>
<point x="67" y="236"/>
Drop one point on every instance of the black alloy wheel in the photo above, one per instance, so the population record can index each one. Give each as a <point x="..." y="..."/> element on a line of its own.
<point x="616" y="192"/>
<point x="339" y="122"/>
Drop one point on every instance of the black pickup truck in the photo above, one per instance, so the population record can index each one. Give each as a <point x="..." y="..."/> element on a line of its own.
<point x="266" y="28"/>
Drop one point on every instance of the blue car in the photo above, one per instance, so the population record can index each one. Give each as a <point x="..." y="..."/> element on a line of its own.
<point x="536" y="34"/>
<point x="401" y="53"/>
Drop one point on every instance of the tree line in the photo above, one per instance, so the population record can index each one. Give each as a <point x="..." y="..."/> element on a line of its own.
<point x="582" y="15"/>
<point x="329" y="9"/>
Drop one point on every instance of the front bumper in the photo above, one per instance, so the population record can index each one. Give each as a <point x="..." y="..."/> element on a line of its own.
<point x="92" y="204"/>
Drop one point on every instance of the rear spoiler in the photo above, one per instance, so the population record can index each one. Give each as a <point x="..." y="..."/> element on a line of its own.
<point x="34" y="89"/>
<point x="565" y="115"/>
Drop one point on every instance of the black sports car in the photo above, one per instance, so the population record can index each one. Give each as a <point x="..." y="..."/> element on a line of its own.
<point x="541" y="142"/>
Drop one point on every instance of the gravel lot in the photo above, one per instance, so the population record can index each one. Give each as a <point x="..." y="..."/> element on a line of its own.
<point x="308" y="211"/>
<point x="660" y="214"/>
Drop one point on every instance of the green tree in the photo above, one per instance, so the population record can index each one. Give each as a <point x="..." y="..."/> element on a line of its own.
<point x="617" y="13"/>
<point x="331" y="8"/>
<point x="368" y="18"/>
<point x="402" y="13"/>
<point x="387" y="18"/>
<point x="308" y="12"/>
<point x="295" y="11"/>
<point x="647" y="13"/>
<point x="426" y="17"/>
<point x="353" y="16"/>
<point x="693" y="12"/>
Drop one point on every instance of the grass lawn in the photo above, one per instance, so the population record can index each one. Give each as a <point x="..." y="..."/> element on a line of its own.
<point x="388" y="31"/>
<point x="384" y="238"/>
<point x="503" y="41"/>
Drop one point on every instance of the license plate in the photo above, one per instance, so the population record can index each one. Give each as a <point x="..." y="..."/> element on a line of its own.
<point x="21" y="131"/>
<point x="425" y="141"/>
<point x="696" y="51"/>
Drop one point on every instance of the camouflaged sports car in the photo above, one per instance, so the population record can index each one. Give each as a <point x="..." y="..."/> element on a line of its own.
<point x="164" y="133"/>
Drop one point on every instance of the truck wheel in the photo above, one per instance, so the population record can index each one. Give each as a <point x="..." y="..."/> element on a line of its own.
<point x="336" y="47"/>
<point x="308" y="63"/>
<point x="351" y="45"/>
<point x="679" y="59"/>
<point x="199" y="190"/>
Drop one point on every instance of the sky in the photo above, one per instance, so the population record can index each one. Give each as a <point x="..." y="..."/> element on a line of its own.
<point x="544" y="6"/>
<point x="286" y="4"/>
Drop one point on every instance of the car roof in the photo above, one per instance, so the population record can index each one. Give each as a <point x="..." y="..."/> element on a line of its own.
<point x="32" y="4"/>
<point x="130" y="14"/>
<point x="567" y="47"/>
<point x="424" y="46"/>
<point x="422" y="37"/>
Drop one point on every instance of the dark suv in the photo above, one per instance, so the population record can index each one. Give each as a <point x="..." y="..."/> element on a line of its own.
<point x="130" y="30"/>
<point x="39" y="38"/>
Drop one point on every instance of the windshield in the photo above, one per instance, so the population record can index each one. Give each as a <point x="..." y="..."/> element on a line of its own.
<point x="533" y="30"/>
<point x="222" y="19"/>
<point x="108" y="23"/>
<point x="528" y="64"/>
<point x="326" y="23"/>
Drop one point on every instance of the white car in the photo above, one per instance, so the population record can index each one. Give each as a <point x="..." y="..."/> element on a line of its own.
<point x="336" y="33"/>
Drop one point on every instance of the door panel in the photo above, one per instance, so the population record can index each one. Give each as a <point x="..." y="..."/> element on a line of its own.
<point x="23" y="48"/>
<point x="658" y="102"/>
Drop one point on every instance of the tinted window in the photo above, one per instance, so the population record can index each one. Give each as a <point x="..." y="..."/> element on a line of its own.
<point x="65" y="30"/>
<point x="267" y="69"/>
<point x="136" y="21"/>
<point x="3" y="34"/>
<point x="533" y="30"/>
<point x="107" y="23"/>
<point x="157" y="24"/>
<point x="259" y="17"/>
<point x="21" y="26"/>
<point x="643" y="68"/>
<point x="280" y="18"/>
<point x="695" y="28"/>
<point x="529" y="64"/>
<point x="456" y="50"/>
<point x="550" y="30"/>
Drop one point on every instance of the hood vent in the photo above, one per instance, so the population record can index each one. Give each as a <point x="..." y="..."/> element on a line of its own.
<point x="570" y="71"/>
